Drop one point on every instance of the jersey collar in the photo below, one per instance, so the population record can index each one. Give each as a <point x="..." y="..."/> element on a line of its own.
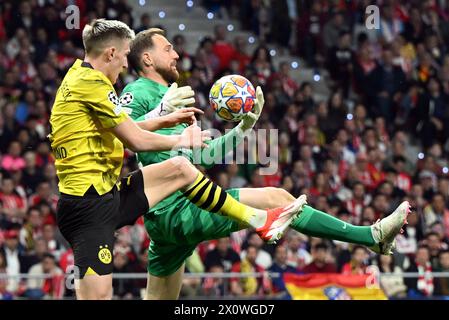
<point x="86" y="65"/>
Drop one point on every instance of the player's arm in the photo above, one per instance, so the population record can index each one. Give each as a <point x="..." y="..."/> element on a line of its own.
<point x="138" y="140"/>
<point x="218" y="148"/>
<point x="106" y="108"/>
<point x="185" y="115"/>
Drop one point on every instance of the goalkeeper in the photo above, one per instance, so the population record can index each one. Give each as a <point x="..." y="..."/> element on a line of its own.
<point x="177" y="226"/>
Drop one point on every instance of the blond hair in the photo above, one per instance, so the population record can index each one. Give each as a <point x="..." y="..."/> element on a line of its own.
<point x="100" y="32"/>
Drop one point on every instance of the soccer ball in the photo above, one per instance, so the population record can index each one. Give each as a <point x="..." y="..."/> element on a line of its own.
<point x="232" y="97"/>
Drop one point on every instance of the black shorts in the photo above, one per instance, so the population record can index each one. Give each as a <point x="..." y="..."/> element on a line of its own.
<point x="89" y="222"/>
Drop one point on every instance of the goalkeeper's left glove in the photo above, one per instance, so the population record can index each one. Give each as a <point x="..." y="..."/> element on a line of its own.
<point x="250" y="119"/>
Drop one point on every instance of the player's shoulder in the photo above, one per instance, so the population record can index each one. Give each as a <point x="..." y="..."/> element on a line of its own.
<point x="85" y="76"/>
<point x="142" y="86"/>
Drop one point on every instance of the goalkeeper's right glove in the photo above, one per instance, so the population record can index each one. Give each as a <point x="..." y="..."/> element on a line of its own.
<point x="250" y="119"/>
<point x="175" y="98"/>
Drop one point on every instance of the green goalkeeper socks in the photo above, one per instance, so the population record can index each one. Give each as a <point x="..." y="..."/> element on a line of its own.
<point x="318" y="224"/>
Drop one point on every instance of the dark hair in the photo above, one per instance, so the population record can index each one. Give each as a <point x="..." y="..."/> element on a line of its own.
<point x="442" y="252"/>
<point x="143" y="41"/>
<point x="320" y="246"/>
<point x="432" y="233"/>
<point x="357" y="247"/>
<point x="48" y="255"/>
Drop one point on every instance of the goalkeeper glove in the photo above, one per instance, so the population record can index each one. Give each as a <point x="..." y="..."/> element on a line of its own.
<point x="175" y="98"/>
<point x="250" y="119"/>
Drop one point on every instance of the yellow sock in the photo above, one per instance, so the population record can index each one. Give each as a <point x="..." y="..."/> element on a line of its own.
<point x="208" y="196"/>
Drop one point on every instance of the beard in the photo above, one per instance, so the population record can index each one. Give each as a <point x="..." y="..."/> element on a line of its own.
<point x="168" y="74"/>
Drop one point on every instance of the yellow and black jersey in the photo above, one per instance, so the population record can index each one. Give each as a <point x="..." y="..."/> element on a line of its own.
<point x="87" y="153"/>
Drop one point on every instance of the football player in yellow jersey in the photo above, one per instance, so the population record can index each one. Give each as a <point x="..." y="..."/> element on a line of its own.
<point x="89" y="129"/>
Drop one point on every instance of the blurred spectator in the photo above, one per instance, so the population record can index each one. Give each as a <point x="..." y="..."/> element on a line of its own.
<point x="261" y="64"/>
<point x="13" y="161"/>
<point x="32" y="228"/>
<point x="442" y="284"/>
<point x="280" y="266"/>
<point x="358" y="263"/>
<point x="310" y="31"/>
<point x="393" y="285"/>
<point x="14" y="206"/>
<point x="434" y="244"/>
<point x="422" y="286"/>
<point x="145" y="23"/>
<point x="320" y="262"/>
<point x="340" y="62"/>
<point x="222" y="255"/>
<point x="437" y="211"/>
<point x="249" y="286"/>
<point x="13" y="253"/>
<point x="222" y="48"/>
<point x="263" y="257"/>
<point x="214" y="286"/>
<point x="52" y="286"/>
<point x="123" y="288"/>
<point x="297" y="255"/>
<point x="5" y="294"/>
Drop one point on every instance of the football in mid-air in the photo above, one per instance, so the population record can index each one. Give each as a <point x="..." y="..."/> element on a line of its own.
<point x="232" y="97"/>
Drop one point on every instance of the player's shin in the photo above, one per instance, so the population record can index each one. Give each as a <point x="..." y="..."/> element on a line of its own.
<point x="319" y="224"/>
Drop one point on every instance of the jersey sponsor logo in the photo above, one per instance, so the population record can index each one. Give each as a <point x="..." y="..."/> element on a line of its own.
<point x="104" y="254"/>
<point x="60" y="153"/>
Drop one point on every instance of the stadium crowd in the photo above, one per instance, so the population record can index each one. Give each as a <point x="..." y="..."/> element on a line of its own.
<point x="380" y="137"/>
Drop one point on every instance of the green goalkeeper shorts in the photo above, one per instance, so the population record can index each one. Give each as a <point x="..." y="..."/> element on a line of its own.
<point x="177" y="231"/>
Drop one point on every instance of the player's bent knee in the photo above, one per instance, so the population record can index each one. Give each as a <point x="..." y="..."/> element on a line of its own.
<point x="184" y="169"/>
<point x="278" y="196"/>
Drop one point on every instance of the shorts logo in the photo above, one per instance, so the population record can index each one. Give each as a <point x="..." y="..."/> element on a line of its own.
<point x="104" y="254"/>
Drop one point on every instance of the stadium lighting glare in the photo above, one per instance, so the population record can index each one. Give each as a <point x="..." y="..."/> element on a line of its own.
<point x="349" y="116"/>
<point x="142" y="2"/>
<point x="445" y="170"/>
<point x="272" y="52"/>
<point x="230" y="27"/>
<point x="251" y="40"/>
<point x="210" y="15"/>
<point x="420" y="155"/>
<point x="182" y="27"/>
<point x="189" y="3"/>
<point x="295" y="65"/>
<point x="316" y="77"/>
<point x="162" y="14"/>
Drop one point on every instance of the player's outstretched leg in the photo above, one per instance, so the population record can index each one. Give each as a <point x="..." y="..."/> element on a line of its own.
<point x="379" y="237"/>
<point x="270" y="224"/>
<point x="163" y="179"/>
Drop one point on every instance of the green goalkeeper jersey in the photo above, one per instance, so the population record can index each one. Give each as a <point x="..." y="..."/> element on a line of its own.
<point x="141" y="97"/>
